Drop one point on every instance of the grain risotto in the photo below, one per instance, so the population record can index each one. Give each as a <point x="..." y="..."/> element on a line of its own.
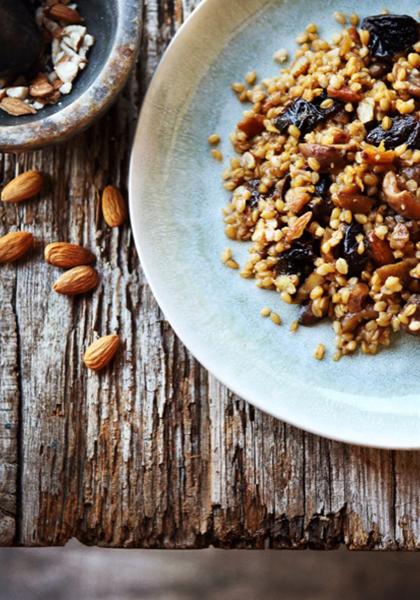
<point x="326" y="186"/>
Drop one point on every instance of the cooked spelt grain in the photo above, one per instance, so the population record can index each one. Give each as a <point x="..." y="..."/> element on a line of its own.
<point x="276" y="204"/>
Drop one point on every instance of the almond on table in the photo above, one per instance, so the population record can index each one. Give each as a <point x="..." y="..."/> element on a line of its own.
<point x="78" y="280"/>
<point x="101" y="352"/>
<point x="66" y="255"/>
<point x="24" y="186"/>
<point x="14" y="245"/>
<point x="113" y="206"/>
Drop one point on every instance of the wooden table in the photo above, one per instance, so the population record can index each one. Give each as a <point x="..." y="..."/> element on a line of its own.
<point x="154" y="452"/>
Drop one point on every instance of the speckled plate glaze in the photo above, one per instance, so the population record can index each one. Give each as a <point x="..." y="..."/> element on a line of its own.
<point x="176" y="198"/>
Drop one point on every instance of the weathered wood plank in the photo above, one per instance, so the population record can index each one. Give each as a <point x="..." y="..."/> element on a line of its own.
<point x="154" y="452"/>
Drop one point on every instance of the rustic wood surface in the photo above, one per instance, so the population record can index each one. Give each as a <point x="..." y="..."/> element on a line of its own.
<point x="154" y="452"/>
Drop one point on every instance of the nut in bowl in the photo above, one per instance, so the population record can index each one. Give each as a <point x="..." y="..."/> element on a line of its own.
<point x="85" y="60"/>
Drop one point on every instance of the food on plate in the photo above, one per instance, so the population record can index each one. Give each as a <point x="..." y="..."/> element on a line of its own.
<point x="325" y="183"/>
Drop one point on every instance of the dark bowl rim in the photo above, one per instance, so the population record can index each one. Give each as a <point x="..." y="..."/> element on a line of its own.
<point x="90" y="104"/>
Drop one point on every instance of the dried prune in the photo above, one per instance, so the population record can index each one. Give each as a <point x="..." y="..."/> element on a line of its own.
<point x="299" y="259"/>
<point x="321" y="205"/>
<point x="404" y="130"/>
<point x="322" y="188"/>
<point x="305" y="115"/>
<point x="390" y="34"/>
<point x="321" y="210"/>
<point x="349" y="249"/>
<point x="253" y="185"/>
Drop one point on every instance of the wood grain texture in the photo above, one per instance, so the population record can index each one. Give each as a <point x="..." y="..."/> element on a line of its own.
<point x="154" y="452"/>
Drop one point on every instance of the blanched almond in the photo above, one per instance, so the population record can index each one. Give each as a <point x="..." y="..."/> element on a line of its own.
<point x="24" y="186"/>
<point x="113" y="206"/>
<point x="14" y="245"/>
<point x="78" y="280"/>
<point x="65" y="255"/>
<point x="101" y="352"/>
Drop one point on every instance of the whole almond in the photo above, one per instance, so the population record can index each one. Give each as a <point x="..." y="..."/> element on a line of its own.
<point x="24" y="186"/>
<point x="14" y="245"/>
<point x="101" y="352"/>
<point x="78" y="280"/>
<point x="65" y="255"/>
<point x="64" y="13"/>
<point x="113" y="206"/>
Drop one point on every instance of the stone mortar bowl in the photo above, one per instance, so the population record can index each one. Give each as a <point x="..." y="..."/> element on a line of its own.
<point x="115" y="24"/>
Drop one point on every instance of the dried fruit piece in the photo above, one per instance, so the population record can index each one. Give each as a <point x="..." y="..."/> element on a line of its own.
<point x="404" y="130"/>
<point x="64" y="13"/>
<point x="14" y="245"/>
<point x="379" y="250"/>
<point x="78" y="280"/>
<point x="24" y="186"/>
<point x="390" y="34"/>
<point x="16" y="107"/>
<point x="252" y="125"/>
<point x="321" y="205"/>
<point x="252" y="185"/>
<point x="305" y="115"/>
<point x="306" y="316"/>
<point x="352" y="320"/>
<point x="113" y="206"/>
<point x="65" y="255"/>
<point x="99" y="354"/>
<point x="350" y="249"/>
<point x="299" y="259"/>
<point x="322" y="188"/>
